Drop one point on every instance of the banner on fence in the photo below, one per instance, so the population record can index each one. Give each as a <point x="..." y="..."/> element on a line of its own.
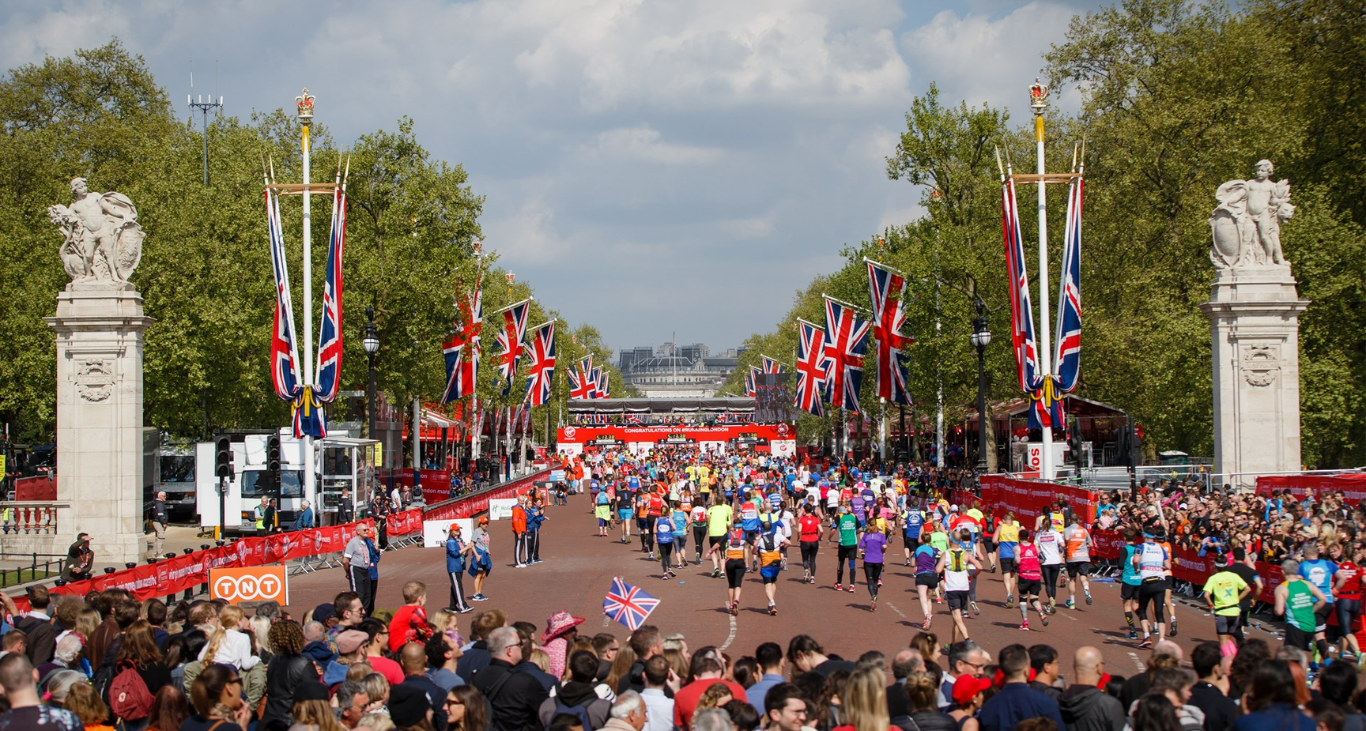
<point x="254" y="584"/>
<point x="1027" y="499"/>
<point x="1353" y="486"/>
<point x="434" y="532"/>
<point x="501" y="508"/>
<point x="403" y="522"/>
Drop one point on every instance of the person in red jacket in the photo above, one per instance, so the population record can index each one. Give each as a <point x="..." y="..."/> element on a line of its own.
<point x="519" y="537"/>
<point x="410" y="621"/>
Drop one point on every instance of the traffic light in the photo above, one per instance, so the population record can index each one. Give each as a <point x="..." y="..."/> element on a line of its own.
<point x="223" y="459"/>
<point x="1136" y="445"/>
<point x="1074" y="447"/>
<point x="273" y="454"/>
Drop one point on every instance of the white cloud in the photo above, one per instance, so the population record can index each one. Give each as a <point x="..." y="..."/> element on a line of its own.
<point x="648" y="165"/>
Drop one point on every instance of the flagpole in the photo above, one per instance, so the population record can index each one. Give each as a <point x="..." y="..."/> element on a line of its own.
<point x="1038" y="104"/>
<point x="846" y="304"/>
<point x="304" y="103"/>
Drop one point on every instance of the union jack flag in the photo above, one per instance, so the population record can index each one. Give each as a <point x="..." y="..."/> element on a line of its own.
<point x="633" y="419"/>
<point x="629" y="605"/>
<point x="582" y="385"/>
<point x="542" y="364"/>
<point x="752" y="381"/>
<point x="330" y="333"/>
<point x="284" y="350"/>
<point x="510" y="340"/>
<point x="846" y="341"/>
<point x="811" y="368"/>
<point x="604" y="384"/>
<point x="888" y="318"/>
<point x="462" y="350"/>
<point x="1068" y="358"/>
<point x="1045" y="409"/>
<point x="771" y="365"/>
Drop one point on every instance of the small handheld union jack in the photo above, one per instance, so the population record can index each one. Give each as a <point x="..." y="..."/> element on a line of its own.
<point x="627" y="604"/>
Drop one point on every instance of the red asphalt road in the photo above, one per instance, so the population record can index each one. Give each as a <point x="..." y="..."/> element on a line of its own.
<point x="579" y="567"/>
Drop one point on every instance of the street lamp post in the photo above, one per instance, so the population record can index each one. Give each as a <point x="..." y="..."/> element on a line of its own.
<point x="370" y="341"/>
<point x="981" y="338"/>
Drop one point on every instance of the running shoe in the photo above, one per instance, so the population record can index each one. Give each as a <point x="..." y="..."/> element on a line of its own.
<point x="1010" y="601"/>
<point x="851" y="588"/>
<point x="907" y="562"/>
<point x="1043" y="618"/>
<point x="839" y="587"/>
<point x="716" y="573"/>
<point x="479" y="598"/>
<point x="993" y="568"/>
<point x="1147" y="642"/>
<point x="873" y="606"/>
<point x="520" y="566"/>
<point x="1133" y="635"/>
<point x="879" y="582"/>
<point x="734" y="608"/>
<point x="1070" y="604"/>
<point x="926" y="624"/>
<point x="975" y="609"/>
<point x="772" y="610"/>
<point x="466" y="610"/>
<point x="1025" y="625"/>
<point x="1172" y="633"/>
<point x="1088" y="598"/>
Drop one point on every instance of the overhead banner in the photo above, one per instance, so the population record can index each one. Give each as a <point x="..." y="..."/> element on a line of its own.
<point x="576" y="438"/>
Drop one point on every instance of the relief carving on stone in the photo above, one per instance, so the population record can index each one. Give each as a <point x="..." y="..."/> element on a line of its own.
<point x="1261" y="364"/>
<point x="94" y="379"/>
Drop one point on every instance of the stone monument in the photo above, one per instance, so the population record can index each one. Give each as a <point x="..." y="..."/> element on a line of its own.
<point x="99" y="326"/>
<point x="1254" y="314"/>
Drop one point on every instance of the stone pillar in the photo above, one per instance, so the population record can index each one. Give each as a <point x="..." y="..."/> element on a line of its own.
<point x="1254" y="324"/>
<point x="99" y="329"/>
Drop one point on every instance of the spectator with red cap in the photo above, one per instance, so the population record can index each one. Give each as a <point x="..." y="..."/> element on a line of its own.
<point x="969" y="693"/>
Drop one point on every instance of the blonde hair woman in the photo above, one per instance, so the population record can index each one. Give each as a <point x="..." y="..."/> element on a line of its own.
<point x="229" y="646"/>
<point x="865" y="701"/>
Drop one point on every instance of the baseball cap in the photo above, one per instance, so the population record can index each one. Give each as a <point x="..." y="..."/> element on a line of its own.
<point x="966" y="687"/>
<point x="483" y="520"/>
<point x="324" y="612"/>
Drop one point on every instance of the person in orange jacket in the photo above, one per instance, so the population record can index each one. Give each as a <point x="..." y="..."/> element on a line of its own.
<point x="519" y="551"/>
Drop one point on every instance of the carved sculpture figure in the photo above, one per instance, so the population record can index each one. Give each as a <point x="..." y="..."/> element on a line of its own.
<point x="1247" y="224"/>
<point x="102" y="237"/>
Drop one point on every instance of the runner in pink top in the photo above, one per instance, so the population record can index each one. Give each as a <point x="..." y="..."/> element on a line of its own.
<point x="1031" y="575"/>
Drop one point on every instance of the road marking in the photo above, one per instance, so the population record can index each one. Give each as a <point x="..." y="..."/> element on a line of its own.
<point x="730" y="637"/>
<point x="899" y="613"/>
<point x="1137" y="663"/>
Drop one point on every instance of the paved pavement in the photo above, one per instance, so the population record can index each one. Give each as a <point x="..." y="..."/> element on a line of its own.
<point x="579" y="567"/>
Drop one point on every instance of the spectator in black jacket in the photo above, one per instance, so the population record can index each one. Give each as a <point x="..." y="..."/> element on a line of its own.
<point x="1210" y="692"/>
<point x="476" y="656"/>
<point x="514" y="697"/>
<point x="1084" y="706"/>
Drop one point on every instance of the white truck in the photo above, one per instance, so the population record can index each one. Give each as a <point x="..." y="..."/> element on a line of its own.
<point x="342" y="464"/>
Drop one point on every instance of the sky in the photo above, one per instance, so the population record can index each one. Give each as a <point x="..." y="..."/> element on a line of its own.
<point x="651" y="167"/>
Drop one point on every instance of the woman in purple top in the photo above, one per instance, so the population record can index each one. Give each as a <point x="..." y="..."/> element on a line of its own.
<point x="871" y="547"/>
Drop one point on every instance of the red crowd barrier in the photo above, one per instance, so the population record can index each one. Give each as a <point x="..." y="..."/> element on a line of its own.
<point x="403" y="522"/>
<point x="1353" y="486"/>
<point x="174" y="575"/>
<point x="1027" y="498"/>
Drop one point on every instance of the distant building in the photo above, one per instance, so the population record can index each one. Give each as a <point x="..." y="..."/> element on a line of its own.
<point x="675" y="371"/>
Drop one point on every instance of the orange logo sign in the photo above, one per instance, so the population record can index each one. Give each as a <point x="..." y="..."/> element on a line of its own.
<point x="256" y="584"/>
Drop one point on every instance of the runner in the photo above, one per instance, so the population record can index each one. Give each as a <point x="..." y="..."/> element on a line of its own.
<point x="1078" y="547"/>
<point x="736" y="548"/>
<point x="1129" y="580"/>
<point x="871" y="548"/>
<point x="1154" y="563"/>
<point x="1049" y="541"/>
<point x="1223" y="592"/>
<point x="956" y="566"/>
<point x="1319" y="572"/>
<point x="844" y="533"/>
<point x="770" y="549"/>
<point x="1031" y="574"/>
<point x="698" y="519"/>
<point x="1347" y="590"/>
<point x="664" y="538"/>
<point x="912" y="520"/>
<point x="1007" y="547"/>
<point x="718" y="522"/>
<point x="809" y="531"/>
<point x="749" y="518"/>
<point x="603" y="511"/>
<point x="679" y="515"/>
<point x="1299" y="601"/>
<point x="926" y="575"/>
<point x="624" y="510"/>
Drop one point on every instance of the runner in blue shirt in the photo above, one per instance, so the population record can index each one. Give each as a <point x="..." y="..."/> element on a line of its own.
<point x="912" y="520"/>
<point x="1319" y="572"/>
<point x="1129" y="580"/>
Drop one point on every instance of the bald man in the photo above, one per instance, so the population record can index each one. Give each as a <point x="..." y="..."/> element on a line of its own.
<point x="1085" y="705"/>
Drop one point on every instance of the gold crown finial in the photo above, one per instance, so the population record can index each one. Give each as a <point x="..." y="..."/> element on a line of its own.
<point x="1038" y="97"/>
<point x="304" y="102"/>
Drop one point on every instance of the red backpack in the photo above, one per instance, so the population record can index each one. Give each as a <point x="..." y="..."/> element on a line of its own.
<point x="129" y="698"/>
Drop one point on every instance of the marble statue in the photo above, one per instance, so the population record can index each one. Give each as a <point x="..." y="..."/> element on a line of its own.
<point x="1247" y="224"/>
<point x="103" y="240"/>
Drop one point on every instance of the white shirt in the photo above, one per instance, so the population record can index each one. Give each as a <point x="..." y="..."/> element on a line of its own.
<point x="235" y="650"/>
<point x="659" y="710"/>
<point x="1050" y="547"/>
